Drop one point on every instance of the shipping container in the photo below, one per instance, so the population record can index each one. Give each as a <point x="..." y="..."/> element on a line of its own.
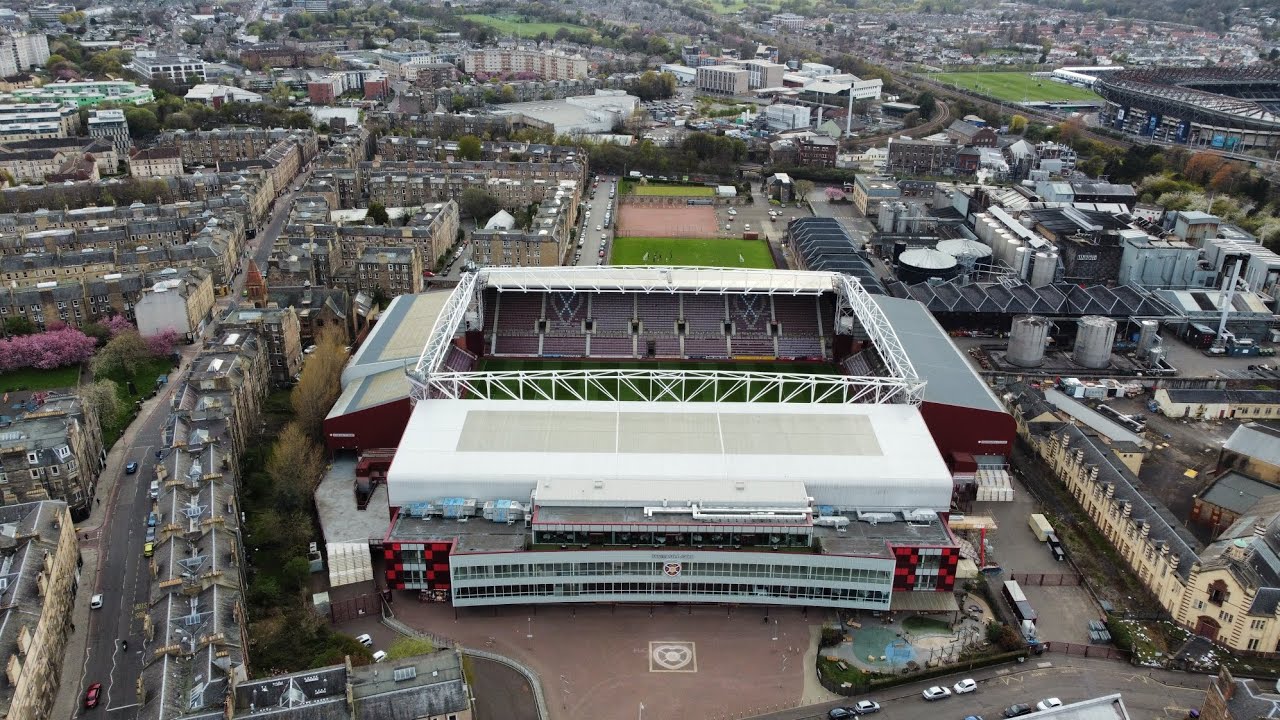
<point x="1040" y="526"/>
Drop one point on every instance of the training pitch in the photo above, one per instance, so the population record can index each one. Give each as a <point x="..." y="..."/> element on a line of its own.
<point x="674" y="190"/>
<point x="709" y="252"/>
<point x="1015" y="87"/>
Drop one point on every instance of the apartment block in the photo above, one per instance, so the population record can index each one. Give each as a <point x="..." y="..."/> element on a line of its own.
<point x="281" y="332"/>
<point x="762" y="73"/>
<point x="47" y="13"/>
<point x="20" y="52"/>
<point x="516" y="248"/>
<point x="52" y="450"/>
<point x="723" y="79"/>
<point x="543" y="64"/>
<point x="30" y="121"/>
<point x="83" y="93"/>
<point x="162" y="161"/>
<point x="390" y="271"/>
<point x="513" y="184"/>
<point x="111" y="125"/>
<point x="176" y="68"/>
<point x="181" y="303"/>
<point x="34" y="161"/>
<point x="921" y="157"/>
<point x="41" y="571"/>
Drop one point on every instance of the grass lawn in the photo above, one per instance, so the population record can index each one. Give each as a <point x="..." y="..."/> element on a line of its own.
<point x="144" y="381"/>
<point x="674" y="190"/>
<point x="33" y="379"/>
<point x="725" y="7"/>
<point x="710" y="252"/>
<point x="1015" y="86"/>
<point x="695" y="395"/>
<point x="516" y="25"/>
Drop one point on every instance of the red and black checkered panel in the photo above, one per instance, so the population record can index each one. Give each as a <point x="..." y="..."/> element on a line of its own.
<point x="437" y="559"/>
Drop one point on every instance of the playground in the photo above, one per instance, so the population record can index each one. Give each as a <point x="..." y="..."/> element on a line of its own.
<point x="892" y="645"/>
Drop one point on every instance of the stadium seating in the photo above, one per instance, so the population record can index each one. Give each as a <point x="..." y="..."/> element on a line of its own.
<point x="565" y="312"/>
<point x="750" y="314"/>
<point x="797" y="318"/>
<point x="612" y="346"/>
<point x="758" y="345"/>
<point x="567" y="346"/>
<point x="517" y="323"/>
<point x="458" y="359"/>
<point x="704" y="315"/>
<point x="612" y="313"/>
<point x="857" y="365"/>
<point x="706" y="347"/>
<point x="658" y="313"/>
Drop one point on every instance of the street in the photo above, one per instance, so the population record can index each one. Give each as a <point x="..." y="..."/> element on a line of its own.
<point x="593" y="237"/>
<point x="115" y="532"/>
<point x="1147" y="693"/>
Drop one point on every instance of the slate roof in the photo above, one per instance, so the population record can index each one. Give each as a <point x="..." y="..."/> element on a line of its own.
<point x="1256" y="440"/>
<point x="1224" y="397"/>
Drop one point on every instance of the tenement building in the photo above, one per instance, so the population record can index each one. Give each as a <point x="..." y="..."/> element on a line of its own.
<point x="52" y="450"/>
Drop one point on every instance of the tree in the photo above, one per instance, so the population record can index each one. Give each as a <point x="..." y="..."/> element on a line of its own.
<point x="377" y="214"/>
<point x="478" y="204"/>
<point x="143" y="123"/>
<point x="103" y="397"/>
<point x="294" y="467"/>
<point x="1017" y="124"/>
<point x="119" y="356"/>
<point x="117" y="324"/>
<point x="803" y="189"/>
<point x="928" y="104"/>
<point x="318" y="387"/>
<point x="46" y="350"/>
<point x="19" y="325"/>
<point x="161" y="343"/>
<point x="1202" y="166"/>
<point x="469" y="147"/>
<point x="1224" y="180"/>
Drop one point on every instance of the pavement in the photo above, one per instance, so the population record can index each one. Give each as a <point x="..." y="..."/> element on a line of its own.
<point x="117" y="522"/>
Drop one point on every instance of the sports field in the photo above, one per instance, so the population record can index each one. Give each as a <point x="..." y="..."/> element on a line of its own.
<point x="516" y="25"/>
<point x="674" y="190"/>
<point x="694" y="394"/>
<point x="1015" y="86"/>
<point x="710" y="252"/>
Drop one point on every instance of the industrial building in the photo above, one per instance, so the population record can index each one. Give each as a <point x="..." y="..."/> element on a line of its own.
<point x="569" y="498"/>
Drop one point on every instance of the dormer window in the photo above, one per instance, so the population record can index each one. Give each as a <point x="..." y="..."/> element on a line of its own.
<point x="1218" y="594"/>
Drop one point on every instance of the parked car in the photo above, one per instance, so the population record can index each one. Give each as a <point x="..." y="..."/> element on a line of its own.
<point x="732" y="211"/>
<point x="95" y="602"/>
<point x="936" y="693"/>
<point x="841" y="713"/>
<point x="92" y="694"/>
<point x="1018" y="710"/>
<point x="966" y="685"/>
<point x="148" y="550"/>
<point x="380" y="656"/>
<point x="365" y="640"/>
<point x="131" y="468"/>
<point x="866" y="707"/>
<point x="1048" y="704"/>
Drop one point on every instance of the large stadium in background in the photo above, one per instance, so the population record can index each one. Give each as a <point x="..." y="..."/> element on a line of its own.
<point x="1227" y="108"/>
<point x="696" y="435"/>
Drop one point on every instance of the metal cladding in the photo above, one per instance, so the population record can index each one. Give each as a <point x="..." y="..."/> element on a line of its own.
<point x="920" y="264"/>
<point x="1094" y="339"/>
<point x="1027" y="340"/>
<point x="1044" y="268"/>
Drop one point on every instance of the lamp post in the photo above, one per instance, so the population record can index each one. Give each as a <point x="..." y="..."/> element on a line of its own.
<point x="529" y="634"/>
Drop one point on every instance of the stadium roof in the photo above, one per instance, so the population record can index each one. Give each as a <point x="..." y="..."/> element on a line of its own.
<point x="1188" y="93"/>
<point x="398" y="337"/>
<point x="950" y="378"/>
<point x="626" y="278"/>
<point x="597" y="453"/>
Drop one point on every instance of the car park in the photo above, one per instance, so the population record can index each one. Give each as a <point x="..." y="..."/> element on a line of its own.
<point x="92" y="695"/>
<point x="365" y="640"/>
<point x="131" y="468"/>
<point x="966" y="685"/>
<point x="936" y="693"/>
<point x="866" y="707"/>
<point x="1048" y="704"/>
<point x="1018" y="710"/>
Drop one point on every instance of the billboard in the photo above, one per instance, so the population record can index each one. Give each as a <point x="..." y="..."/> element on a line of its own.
<point x="1153" y="122"/>
<point x="1120" y="115"/>
<point x="1218" y="141"/>
<point x="1184" y="131"/>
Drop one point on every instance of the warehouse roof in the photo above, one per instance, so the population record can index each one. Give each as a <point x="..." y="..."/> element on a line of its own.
<point x="1258" y="441"/>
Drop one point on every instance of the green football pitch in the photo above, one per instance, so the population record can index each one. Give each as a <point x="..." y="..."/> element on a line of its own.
<point x="1014" y="86"/>
<point x="616" y="389"/>
<point x="709" y="252"/>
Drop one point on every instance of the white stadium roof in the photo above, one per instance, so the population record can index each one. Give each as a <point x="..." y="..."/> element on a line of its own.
<point x="613" y="454"/>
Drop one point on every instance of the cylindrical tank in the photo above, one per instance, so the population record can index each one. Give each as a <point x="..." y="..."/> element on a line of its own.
<point x="899" y="247"/>
<point x="1095" y="337"/>
<point x="982" y="227"/>
<point x="1022" y="262"/>
<point x="1044" y="268"/>
<point x="1027" y="339"/>
<point x="958" y="248"/>
<point x="885" y="219"/>
<point x="1147" y="336"/>
<point x="920" y="264"/>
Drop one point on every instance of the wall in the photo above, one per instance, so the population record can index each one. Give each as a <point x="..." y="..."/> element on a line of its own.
<point x="160" y="311"/>
<point x="377" y="427"/>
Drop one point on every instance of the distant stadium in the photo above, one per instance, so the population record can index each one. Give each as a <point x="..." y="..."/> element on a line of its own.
<point x="681" y="434"/>
<point x="1230" y="108"/>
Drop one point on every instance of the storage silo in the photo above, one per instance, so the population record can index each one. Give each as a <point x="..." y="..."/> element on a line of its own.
<point x="1095" y="337"/>
<point x="1022" y="261"/>
<point x="1044" y="268"/>
<point x="887" y="217"/>
<point x="920" y="264"/>
<point x="982" y="227"/>
<point x="973" y="251"/>
<point x="1148" y="336"/>
<point x="1027" y="339"/>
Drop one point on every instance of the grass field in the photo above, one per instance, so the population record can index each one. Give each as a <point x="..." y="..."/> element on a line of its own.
<point x="725" y="7"/>
<point x="706" y="394"/>
<point x="674" y="190"/>
<point x="33" y="379"/>
<point x="711" y="252"/>
<point x="1015" y="86"/>
<point x="515" y="25"/>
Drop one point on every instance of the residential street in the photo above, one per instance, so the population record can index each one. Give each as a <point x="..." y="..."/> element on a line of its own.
<point x="112" y="539"/>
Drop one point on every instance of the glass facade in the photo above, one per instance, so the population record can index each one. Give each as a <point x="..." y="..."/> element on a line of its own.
<point x="644" y="576"/>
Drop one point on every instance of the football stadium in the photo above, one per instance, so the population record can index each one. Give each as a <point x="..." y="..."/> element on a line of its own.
<point x="677" y="434"/>
<point x="1232" y="108"/>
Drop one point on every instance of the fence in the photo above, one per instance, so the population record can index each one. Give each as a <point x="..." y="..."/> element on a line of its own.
<point x="1091" y="651"/>
<point x="879" y="683"/>
<point x="1047" y="579"/>
<point x="368" y="605"/>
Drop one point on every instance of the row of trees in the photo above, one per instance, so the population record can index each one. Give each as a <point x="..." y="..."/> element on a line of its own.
<point x="46" y="350"/>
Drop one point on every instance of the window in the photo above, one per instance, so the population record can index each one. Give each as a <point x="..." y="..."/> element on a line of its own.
<point x="1225" y="616"/>
<point x="33" y="458"/>
<point x="1253" y="644"/>
<point x="1257" y="624"/>
<point x="53" y="470"/>
<point x="35" y="473"/>
<point x="1218" y="592"/>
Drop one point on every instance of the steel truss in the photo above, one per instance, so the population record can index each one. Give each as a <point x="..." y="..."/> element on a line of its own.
<point x="430" y="379"/>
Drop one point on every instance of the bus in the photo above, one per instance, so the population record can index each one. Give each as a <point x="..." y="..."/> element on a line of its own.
<point x="1021" y="608"/>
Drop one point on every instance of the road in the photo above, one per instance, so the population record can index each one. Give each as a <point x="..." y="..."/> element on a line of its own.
<point x="122" y="578"/>
<point x="1146" y="693"/>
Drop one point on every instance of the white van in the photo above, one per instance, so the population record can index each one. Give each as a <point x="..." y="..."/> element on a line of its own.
<point x="155" y="489"/>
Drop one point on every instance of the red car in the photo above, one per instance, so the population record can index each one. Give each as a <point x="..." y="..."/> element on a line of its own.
<point x="91" y="695"/>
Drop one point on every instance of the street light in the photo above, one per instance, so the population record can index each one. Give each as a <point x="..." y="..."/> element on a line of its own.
<point x="530" y="628"/>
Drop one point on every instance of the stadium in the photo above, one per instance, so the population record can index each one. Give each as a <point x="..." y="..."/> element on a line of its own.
<point x="676" y="434"/>
<point x="1231" y="108"/>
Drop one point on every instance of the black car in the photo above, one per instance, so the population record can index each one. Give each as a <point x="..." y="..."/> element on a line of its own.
<point x="841" y="713"/>
<point x="1018" y="710"/>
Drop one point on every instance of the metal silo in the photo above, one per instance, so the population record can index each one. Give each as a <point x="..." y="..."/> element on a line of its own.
<point x="1147" y="336"/>
<point x="1095" y="337"/>
<point x="921" y="264"/>
<point x="1022" y="262"/>
<point x="1027" y="340"/>
<point x="1044" y="268"/>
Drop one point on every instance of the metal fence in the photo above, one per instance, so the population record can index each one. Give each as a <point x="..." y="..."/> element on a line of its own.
<point x="1093" y="651"/>
<point x="1047" y="579"/>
